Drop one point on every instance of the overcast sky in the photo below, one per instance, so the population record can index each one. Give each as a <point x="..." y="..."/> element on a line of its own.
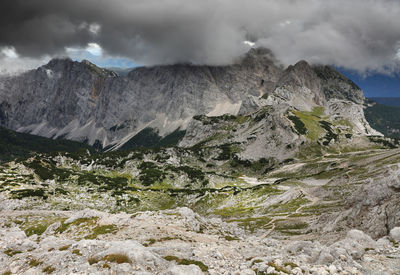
<point x="362" y="35"/>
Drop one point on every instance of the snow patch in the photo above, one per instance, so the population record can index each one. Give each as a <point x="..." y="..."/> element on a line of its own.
<point x="49" y="73"/>
<point x="249" y="43"/>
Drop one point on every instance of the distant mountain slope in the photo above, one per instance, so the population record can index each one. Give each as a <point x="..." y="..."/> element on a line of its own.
<point x="120" y="71"/>
<point x="15" y="145"/>
<point x="389" y="101"/>
<point x="384" y="118"/>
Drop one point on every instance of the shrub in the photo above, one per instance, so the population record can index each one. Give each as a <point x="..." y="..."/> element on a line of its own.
<point x="77" y="252"/>
<point x="11" y="252"/>
<point x="48" y="269"/>
<point x="34" y="263"/>
<point x="101" y="230"/>
<point x="150" y="176"/>
<point x="179" y="261"/>
<point x="93" y="260"/>
<point x="117" y="258"/>
<point x="24" y="193"/>
<point x="298" y="125"/>
<point x="65" y="247"/>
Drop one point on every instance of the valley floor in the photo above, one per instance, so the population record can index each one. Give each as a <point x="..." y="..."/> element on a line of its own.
<point x="304" y="217"/>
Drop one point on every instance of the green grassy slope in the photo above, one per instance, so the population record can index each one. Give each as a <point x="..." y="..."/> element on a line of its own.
<point x="14" y="145"/>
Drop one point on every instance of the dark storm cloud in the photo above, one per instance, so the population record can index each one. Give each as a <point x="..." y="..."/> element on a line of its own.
<point x="357" y="34"/>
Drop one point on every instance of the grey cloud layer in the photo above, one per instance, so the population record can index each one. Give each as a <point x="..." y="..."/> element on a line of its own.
<point x="357" y="34"/>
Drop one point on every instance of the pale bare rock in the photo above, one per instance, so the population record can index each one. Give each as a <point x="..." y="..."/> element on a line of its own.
<point x="395" y="234"/>
<point x="183" y="270"/>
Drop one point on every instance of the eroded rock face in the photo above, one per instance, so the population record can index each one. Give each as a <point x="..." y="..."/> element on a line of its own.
<point x="372" y="207"/>
<point x="80" y="101"/>
<point x="378" y="204"/>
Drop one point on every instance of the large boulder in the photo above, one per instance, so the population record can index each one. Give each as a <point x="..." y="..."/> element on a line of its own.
<point x="395" y="234"/>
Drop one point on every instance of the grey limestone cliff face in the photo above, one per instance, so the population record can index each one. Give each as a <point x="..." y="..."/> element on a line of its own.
<point x="79" y="101"/>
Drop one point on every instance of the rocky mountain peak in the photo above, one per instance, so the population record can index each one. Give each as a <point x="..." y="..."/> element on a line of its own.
<point x="67" y="65"/>
<point x="300" y="74"/>
<point x="60" y="64"/>
<point x="258" y="57"/>
<point x="336" y="85"/>
<point x="55" y="62"/>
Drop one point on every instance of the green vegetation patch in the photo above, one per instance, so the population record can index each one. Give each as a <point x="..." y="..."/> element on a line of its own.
<point x="298" y="125"/>
<point x="102" y="230"/>
<point x="278" y="268"/>
<point x="34" y="263"/>
<point x="26" y="193"/>
<point x="85" y="223"/>
<point x="194" y="174"/>
<point x="64" y="247"/>
<point x="261" y="166"/>
<point x="290" y="206"/>
<point x="231" y="238"/>
<point x="291" y="225"/>
<point x="93" y="260"/>
<point x="149" y="138"/>
<point x="226" y="152"/>
<point x="206" y="120"/>
<point x="47" y="170"/>
<point x="77" y="252"/>
<point x="117" y="258"/>
<point x="48" y="269"/>
<point x="12" y="252"/>
<point x="385" y="142"/>
<point x="105" y="183"/>
<point x="33" y="224"/>
<point x="150" y="173"/>
<point x="307" y="123"/>
<point x="153" y="241"/>
<point x="20" y="145"/>
<point x="37" y="229"/>
<point x="254" y="224"/>
<point x="233" y="211"/>
<point x="330" y="134"/>
<point x="318" y="209"/>
<point x="179" y="261"/>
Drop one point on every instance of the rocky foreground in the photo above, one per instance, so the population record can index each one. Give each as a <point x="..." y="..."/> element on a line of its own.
<point x="177" y="241"/>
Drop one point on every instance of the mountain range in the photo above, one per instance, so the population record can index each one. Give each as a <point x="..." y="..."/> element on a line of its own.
<point x="81" y="102"/>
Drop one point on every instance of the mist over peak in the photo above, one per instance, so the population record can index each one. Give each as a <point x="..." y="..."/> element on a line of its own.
<point x="362" y="35"/>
